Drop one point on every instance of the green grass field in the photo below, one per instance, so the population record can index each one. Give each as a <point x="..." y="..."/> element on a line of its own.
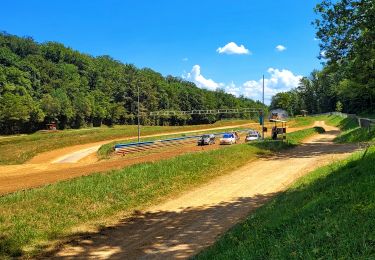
<point x="301" y="121"/>
<point x="34" y="219"/>
<point x="19" y="149"/>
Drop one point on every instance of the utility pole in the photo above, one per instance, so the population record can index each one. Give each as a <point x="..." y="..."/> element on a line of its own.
<point x="139" y="127"/>
<point x="263" y="114"/>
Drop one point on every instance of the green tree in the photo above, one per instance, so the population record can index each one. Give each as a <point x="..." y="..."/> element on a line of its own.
<point x="339" y="106"/>
<point x="44" y="82"/>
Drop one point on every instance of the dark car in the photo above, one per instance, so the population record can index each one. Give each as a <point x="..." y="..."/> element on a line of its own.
<point x="206" y="139"/>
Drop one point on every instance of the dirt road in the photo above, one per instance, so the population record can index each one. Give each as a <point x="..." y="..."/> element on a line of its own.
<point x="183" y="226"/>
<point x="20" y="177"/>
<point x="30" y="175"/>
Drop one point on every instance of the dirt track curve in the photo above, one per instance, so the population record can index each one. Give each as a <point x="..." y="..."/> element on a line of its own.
<point x="74" y="161"/>
<point x="183" y="226"/>
<point x="58" y="165"/>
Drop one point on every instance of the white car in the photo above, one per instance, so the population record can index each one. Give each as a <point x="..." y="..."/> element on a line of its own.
<point x="252" y="136"/>
<point x="228" y="139"/>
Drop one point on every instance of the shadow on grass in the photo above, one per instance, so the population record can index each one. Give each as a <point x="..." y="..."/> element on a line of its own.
<point x="348" y="124"/>
<point x="8" y="247"/>
<point x="328" y="214"/>
<point x="162" y="234"/>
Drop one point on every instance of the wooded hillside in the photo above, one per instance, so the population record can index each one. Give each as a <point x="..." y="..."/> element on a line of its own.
<point x="40" y="83"/>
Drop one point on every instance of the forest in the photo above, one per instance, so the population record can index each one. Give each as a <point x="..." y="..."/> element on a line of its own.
<point x="346" y="83"/>
<point x="48" y="82"/>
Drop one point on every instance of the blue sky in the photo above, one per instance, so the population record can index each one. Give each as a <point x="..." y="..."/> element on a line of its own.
<point x="182" y="38"/>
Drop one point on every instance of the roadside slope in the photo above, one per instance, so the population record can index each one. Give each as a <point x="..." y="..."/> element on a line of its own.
<point x="183" y="226"/>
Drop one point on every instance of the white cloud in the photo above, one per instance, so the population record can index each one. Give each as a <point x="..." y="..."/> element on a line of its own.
<point x="201" y="82"/>
<point x="233" y="48"/>
<point x="233" y="89"/>
<point x="277" y="81"/>
<point x="280" y="48"/>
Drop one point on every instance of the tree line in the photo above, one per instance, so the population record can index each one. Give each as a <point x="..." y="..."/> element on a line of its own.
<point x="45" y="82"/>
<point x="346" y="31"/>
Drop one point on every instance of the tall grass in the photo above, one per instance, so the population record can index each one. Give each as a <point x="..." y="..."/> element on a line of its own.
<point x="328" y="214"/>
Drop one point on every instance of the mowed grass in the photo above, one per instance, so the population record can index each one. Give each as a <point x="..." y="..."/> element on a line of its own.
<point x="333" y="120"/>
<point x="296" y="122"/>
<point x="301" y="121"/>
<point x="295" y="137"/>
<point x="328" y="214"/>
<point x="34" y="219"/>
<point x="19" y="149"/>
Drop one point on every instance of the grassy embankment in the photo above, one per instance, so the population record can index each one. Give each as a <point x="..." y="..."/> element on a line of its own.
<point x="351" y="132"/>
<point x="18" y="149"/>
<point x="34" y="219"/>
<point x="328" y="214"/>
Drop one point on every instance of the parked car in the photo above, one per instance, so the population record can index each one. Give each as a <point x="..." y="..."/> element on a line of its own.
<point x="229" y="138"/>
<point x="206" y="139"/>
<point x="252" y="136"/>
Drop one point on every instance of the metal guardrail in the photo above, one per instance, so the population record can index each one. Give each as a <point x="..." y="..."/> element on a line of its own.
<point x="205" y="112"/>
<point x="366" y="122"/>
<point x="170" y="142"/>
